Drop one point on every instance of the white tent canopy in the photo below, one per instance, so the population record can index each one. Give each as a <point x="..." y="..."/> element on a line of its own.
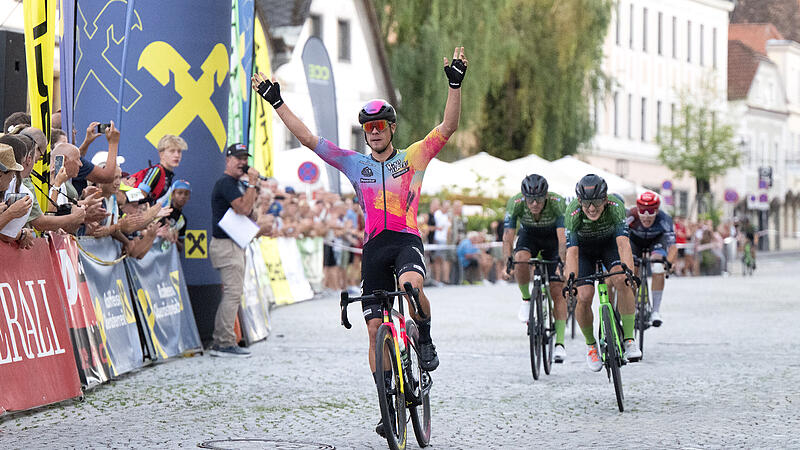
<point x="498" y="173"/>
<point x="441" y="175"/>
<point x="557" y="179"/>
<point x="616" y="184"/>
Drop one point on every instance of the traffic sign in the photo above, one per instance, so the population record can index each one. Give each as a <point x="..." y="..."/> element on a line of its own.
<point x="308" y="172"/>
<point x="666" y="185"/>
<point x="731" y="196"/>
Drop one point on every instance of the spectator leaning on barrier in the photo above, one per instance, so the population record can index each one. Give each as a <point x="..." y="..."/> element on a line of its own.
<point x="472" y="258"/>
<point x="181" y="193"/>
<point x="226" y="255"/>
<point x="156" y="180"/>
<point x="63" y="196"/>
<point x="17" y="202"/>
<point x="139" y="221"/>
<point x="110" y="226"/>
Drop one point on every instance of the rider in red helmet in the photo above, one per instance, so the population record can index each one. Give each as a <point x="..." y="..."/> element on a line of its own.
<point x="652" y="228"/>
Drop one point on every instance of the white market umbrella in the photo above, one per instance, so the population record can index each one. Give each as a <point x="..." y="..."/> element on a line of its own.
<point x="576" y="169"/>
<point x="558" y="181"/>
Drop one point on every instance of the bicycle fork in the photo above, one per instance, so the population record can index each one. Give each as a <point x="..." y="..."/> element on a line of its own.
<point x="608" y="337"/>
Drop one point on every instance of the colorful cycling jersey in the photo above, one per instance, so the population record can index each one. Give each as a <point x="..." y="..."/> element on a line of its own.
<point x="610" y="224"/>
<point x="387" y="191"/>
<point x="661" y="230"/>
<point x="551" y="217"/>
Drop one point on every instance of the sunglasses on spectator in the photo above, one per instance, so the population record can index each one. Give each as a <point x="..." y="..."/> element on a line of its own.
<point x="650" y="211"/>
<point x="379" y="124"/>
<point x="596" y="202"/>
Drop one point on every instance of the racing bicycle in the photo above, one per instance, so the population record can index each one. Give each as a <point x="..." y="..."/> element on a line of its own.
<point x="644" y="307"/>
<point x="541" y="326"/>
<point x="396" y="347"/>
<point x="610" y="335"/>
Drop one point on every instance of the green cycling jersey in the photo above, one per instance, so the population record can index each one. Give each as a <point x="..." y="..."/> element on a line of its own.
<point x="610" y="224"/>
<point x="551" y="217"/>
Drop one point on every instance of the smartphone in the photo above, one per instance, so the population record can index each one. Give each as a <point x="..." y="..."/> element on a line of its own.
<point x="11" y="198"/>
<point x="101" y="128"/>
<point x="58" y="163"/>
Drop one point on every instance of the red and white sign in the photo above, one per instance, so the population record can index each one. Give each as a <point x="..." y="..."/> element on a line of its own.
<point x="37" y="365"/>
<point x="308" y="172"/>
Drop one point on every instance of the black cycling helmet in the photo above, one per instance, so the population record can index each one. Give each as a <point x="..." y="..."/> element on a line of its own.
<point x="591" y="187"/>
<point x="534" y="186"/>
<point x="377" y="110"/>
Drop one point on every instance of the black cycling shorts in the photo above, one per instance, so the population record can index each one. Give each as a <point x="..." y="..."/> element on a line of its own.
<point x="591" y="252"/>
<point x="659" y="245"/>
<point x="388" y="254"/>
<point x="328" y="258"/>
<point x="533" y="244"/>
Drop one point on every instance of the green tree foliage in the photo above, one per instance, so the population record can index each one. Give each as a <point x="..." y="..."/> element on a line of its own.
<point x="533" y="67"/>
<point x="700" y="144"/>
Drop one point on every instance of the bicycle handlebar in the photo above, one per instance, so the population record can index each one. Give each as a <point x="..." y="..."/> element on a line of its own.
<point x="381" y="295"/>
<point x="630" y="279"/>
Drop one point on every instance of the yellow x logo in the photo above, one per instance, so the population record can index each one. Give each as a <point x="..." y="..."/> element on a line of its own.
<point x="160" y="58"/>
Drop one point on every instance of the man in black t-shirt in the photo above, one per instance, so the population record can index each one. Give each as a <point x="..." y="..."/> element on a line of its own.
<point x="226" y="255"/>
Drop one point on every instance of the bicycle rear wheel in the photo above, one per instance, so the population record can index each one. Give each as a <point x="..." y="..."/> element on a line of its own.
<point x="547" y="330"/>
<point x="612" y="356"/>
<point x="390" y="397"/>
<point x="420" y="383"/>
<point x="534" y="336"/>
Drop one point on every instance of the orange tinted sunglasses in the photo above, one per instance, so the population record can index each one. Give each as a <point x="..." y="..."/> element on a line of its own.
<point x="379" y="124"/>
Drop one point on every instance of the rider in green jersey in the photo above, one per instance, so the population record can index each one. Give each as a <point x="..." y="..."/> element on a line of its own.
<point x="597" y="230"/>
<point x="541" y="216"/>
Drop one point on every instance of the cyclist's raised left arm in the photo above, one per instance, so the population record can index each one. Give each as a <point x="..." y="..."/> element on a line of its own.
<point x="455" y="72"/>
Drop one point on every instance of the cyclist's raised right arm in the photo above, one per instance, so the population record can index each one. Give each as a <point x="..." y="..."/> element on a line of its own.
<point x="271" y="92"/>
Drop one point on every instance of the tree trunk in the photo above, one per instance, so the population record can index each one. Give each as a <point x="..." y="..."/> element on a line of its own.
<point x="703" y="194"/>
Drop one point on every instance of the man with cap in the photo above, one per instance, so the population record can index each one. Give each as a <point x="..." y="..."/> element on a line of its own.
<point x="17" y="205"/>
<point x="226" y="255"/>
<point x="181" y="192"/>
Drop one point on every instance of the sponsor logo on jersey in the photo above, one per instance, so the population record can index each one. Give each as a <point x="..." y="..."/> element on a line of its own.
<point x="367" y="172"/>
<point x="368" y="180"/>
<point x="398" y="167"/>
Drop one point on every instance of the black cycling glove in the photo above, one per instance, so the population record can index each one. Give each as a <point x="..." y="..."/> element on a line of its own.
<point x="455" y="73"/>
<point x="271" y="92"/>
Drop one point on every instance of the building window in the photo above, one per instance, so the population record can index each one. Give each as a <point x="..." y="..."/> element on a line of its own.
<point x="344" y="40"/>
<point x="644" y="30"/>
<point x="618" y="26"/>
<point x="630" y="35"/>
<point x="660" y="33"/>
<point x="689" y="41"/>
<point x="674" y="37"/>
<point x="683" y="202"/>
<point x="644" y="120"/>
<point x="316" y="25"/>
<point x="702" y="45"/>
<point x="630" y="113"/>
<point x="616" y="114"/>
<point x="658" y="119"/>
<point x="714" y="47"/>
<point x="357" y="138"/>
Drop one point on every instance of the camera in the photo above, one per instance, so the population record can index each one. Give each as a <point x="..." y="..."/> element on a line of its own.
<point x="101" y="128"/>
<point x="64" y="210"/>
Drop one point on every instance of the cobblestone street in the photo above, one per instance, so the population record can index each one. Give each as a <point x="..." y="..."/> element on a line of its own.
<point x="719" y="373"/>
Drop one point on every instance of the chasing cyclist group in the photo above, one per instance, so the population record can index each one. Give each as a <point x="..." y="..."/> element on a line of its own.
<point x="595" y="226"/>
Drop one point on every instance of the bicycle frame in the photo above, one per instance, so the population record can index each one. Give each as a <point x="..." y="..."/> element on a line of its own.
<point x="602" y="293"/>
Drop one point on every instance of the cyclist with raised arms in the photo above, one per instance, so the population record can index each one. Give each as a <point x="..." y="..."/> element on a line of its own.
<point x="652" y="228"/>
<point x="597" y="230"/>
<point x="541" y="216"/>
<point x="387" y="183"/>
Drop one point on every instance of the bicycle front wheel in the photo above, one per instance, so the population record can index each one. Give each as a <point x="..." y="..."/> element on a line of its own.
<point x="534" y="334"/>
<point x="643" y="311"/>
<point x="420" y="383"/>
<point x="390" y="393"/>
<point x="612" y="357"/>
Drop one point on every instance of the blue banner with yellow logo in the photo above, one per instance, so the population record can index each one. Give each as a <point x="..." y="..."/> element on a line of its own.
<point x="175" y="82"/>
<point x="113" y="306"/>
<point x="162" y="299"/>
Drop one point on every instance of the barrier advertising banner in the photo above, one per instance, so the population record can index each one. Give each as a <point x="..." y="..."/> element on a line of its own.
<point x="108" y="286"/>
<point x="37" y="365"/>
<point x="162" y="299"/>
<point x="311" y="255"/>
<point x="293" y="268"/>
<point x="277" y="277"/>
<point x="254" y="313"/>
<point x="262" y="275"/>
<point x="87" y="343"/>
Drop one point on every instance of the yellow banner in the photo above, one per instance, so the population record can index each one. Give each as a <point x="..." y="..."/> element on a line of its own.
<point x="40" y="21"/>
<point x="277" y="276"/>
<point x="261" y="112"/>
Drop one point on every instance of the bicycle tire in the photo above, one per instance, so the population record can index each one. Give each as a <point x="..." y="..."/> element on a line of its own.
<point x="394" y="428"/>
<point x="420" y="414"/>
<point x="643" y="310"/>
<point x="613" y="358"/>
<point x="571" y="306"/>
<point x="534" y="338"/>
<point x="548" y="340"/>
